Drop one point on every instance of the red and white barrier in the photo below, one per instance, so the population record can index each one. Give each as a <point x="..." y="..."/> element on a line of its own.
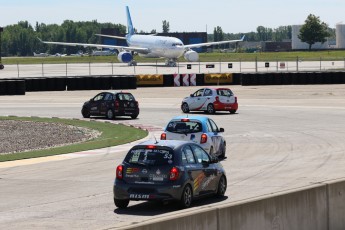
<point x="177" y="80"/>
<point x="192" y="79"/>
<point x="185" y="79"/>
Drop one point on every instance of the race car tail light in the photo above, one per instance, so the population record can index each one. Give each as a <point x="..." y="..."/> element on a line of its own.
<point x="185" y="120"/>
<point x="150" y="146"/>
<point x="163" y="136"/>
<point x="174" y="173"/>
<point x="203" y="138"/>
<point x="137" y="103"/>
<point x="235" y="99"/>
<point x="119" y="172"/>
<point x="117" y="104"/>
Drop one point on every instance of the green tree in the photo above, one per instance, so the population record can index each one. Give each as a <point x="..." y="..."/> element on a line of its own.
<point x="166" y="26"/>
<point x="313" y="31"/>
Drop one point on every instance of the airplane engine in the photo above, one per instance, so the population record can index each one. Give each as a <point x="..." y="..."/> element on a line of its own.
<point x="125" y="57"/>
<point x="191" y="56"/>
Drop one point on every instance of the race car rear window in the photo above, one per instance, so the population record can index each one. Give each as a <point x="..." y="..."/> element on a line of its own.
<point x="184" y="127"/>
<point x="145" y="156"/>
<point x="225" y="92"/>
<point x="126" y="97"/>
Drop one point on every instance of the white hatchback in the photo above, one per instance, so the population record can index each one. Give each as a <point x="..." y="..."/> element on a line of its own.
<point x="199" y="129"/>
<point x="210" y="100"/>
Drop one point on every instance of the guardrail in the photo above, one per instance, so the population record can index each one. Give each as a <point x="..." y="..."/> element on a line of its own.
<point x="19" y="86"/>
<point x="317" y="207"/>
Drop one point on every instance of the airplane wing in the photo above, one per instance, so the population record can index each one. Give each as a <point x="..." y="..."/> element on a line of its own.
<point x="100" y="46"/>
<point x="212" y="43"/>
<point x="110" y="36"/>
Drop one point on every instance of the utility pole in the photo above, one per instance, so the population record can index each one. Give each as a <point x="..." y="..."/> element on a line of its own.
<point x="1" y="65"/>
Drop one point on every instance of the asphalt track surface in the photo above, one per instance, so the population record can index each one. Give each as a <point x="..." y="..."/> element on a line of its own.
<point x="282" y="138"/>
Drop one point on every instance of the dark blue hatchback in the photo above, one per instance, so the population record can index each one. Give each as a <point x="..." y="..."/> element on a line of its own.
<point x="168" y="170"/>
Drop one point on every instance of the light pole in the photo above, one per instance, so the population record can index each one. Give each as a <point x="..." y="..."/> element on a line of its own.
<point x="1" y="65"/>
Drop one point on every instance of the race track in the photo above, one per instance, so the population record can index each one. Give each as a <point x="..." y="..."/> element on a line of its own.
<point x="282" y="138"/>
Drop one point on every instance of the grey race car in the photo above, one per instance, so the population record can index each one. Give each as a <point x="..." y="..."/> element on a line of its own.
<point x="168" y="170"/>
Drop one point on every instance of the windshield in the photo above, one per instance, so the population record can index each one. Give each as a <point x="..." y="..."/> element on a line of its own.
<point x="154" y="157"/>
<point x="184" y="127"/>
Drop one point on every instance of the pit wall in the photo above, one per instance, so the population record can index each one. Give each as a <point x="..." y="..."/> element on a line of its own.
<point x="19" y="86"/>
<point x="319" y="207"/>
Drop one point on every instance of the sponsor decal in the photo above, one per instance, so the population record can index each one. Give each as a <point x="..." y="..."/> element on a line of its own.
<point x="156" y="79"/>
<point x="218" y="78"/>
<point x="207" y="182"/>
<point x="139" y="196"/>
<point x="198" y="180"/>
<point x="158" y="172"/>
<point x="132" y="170"/>
<point x="144" y="171"/>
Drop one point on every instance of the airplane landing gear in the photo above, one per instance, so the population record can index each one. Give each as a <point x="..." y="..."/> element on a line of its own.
<point x="132" y="63"/>
<point x="171" y="62"/>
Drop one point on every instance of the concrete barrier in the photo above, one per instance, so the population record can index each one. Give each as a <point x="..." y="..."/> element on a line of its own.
<point x="316" y="207"/>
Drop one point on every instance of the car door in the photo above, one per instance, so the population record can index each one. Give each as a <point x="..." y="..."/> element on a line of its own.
<point x="197" y="100"/>
<point x="194" y="171"/>
<point x="105" y="104"/>
<point x="207" y="181"/>
<point x="95" y="104"/>
<point x="215" y="136"/>
<point x="207" y="98"/>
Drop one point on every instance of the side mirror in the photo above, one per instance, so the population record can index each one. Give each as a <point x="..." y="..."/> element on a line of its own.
<point x="221" y="130"/>
<point x="214" y="160"/>
<point x="206" y="162"/>
<point x="192" y="95"/>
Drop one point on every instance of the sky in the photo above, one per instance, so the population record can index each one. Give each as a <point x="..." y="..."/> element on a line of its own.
<point x="239" y="16"/>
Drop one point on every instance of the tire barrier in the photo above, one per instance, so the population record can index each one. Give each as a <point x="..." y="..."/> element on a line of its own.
<point x="12" y="87"/>
<point x="177" y="80"/>
<point x="168" y="80"/>
<point x="185" y="79"/>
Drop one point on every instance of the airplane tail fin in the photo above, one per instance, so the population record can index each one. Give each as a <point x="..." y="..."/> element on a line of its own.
<point x="129" y="22"/>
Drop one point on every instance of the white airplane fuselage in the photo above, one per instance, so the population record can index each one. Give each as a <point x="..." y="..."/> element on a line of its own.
<point x="159" y="46"/>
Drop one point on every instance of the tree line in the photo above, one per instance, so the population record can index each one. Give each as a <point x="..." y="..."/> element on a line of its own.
<point x="21" y="39"/>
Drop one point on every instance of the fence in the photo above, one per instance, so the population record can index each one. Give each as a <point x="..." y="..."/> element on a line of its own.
<point x="238" y="66"/>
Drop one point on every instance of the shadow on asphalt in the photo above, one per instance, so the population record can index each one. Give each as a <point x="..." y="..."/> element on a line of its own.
<point x="153" y="208"/>
<point x="218" y="113"/>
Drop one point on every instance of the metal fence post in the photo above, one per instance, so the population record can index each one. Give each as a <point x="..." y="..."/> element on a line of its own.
<point x="220" y="65"/>
<point x="199" y="66"/>
<point x="66" y="69"/>
<point x="297" y="64"/>
<point x="256" y="64"/>
<point x="240" y="65"/>
<point x="112" y="68"/>
<point x="320" y="64"/>
<point x="89" y="68"/>
<point x="156" y="68"/>
<point x="18" y="68"/>
<point x="42" y="70"/>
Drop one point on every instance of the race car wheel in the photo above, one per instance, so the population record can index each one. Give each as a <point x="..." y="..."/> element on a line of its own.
<point x="187" y="197"/>
<point x="85" y="112"/>
<point x="134" y="116"/>
<point x="222" y="155"/>
<point x="232" y="111"/>
<point x="110" y="114"/>
<point x="185" y="108"/>
<point x="222" y="184"/>
<point x="210" y="109"/>
<point x="121" y="203"/>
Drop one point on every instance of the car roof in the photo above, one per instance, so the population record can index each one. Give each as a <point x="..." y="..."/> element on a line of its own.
<point x="168" y="143"/>
<point x="195" y="117"/>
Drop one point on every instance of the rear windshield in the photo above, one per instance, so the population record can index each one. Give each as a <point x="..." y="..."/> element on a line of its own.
<point x="145" y="156"/>
<point x="126" y="97"/>
<point x="184" y="127"/>
<point x="225" y="92"/>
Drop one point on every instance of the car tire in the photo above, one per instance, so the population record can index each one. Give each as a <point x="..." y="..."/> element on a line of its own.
<point x="110" y="114"/>
<point x="210" y="109"/>
<point x="85" y="112"/>
<point x="187" y="197"/>
<point x="222" y="185"/>
<point x="185" y="108"/>
<point x="134" y="116"/>
<point x="222" y="154"/>
<point x="211" y="153"/>
<point x="121" y="203"/>
<point x="232" y="111"/>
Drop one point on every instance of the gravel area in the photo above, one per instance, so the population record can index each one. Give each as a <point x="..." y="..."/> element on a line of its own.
<point x="19" y="136"/>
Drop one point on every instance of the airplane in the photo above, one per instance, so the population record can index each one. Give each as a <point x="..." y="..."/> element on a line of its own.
<point x="149" y="46"/>
<point x="41" y="54"/>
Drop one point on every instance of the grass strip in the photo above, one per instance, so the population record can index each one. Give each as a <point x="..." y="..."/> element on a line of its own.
<point x="112" y="135"/>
